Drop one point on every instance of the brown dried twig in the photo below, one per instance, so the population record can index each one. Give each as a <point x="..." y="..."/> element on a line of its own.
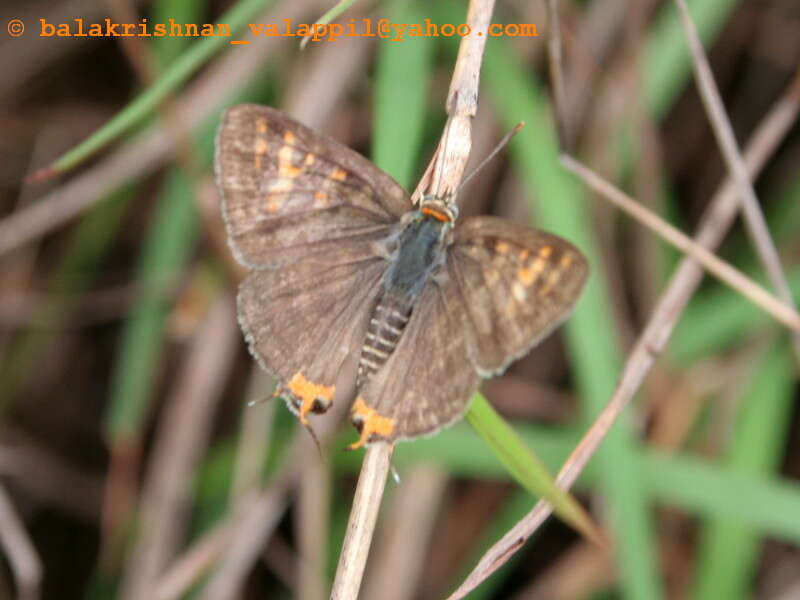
<point x="720" y="124"/>
<point x="714" y="224"/>
<point x="723" y="270"/>
<point x="182" y="435"/>
<point x="146" y="152"/>
<point x="441" y="179"/>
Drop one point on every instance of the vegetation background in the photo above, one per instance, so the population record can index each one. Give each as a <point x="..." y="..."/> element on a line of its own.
<point x="126" y="445"/>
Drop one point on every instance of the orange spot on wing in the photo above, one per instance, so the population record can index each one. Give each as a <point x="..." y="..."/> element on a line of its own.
<point x="526" y="276"/>
<point x="261" y="125"/>
<point x="285" y="166"/>
<point x="289" y="170"/>
<point x="551" y="282"/>
<point x="308" y="392"/>
<point x="338" y="174"/>
<point x="546" y="251"/>
<point x="273" y="205"/>
<point x="502" y="247"/>
<point x="289" y="137"/>
<point x="372" y="423"/>
<point x="260" y="148"/>
<point x="310" y="158"/>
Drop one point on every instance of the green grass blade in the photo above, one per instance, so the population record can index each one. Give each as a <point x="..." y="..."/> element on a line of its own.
<point x="528" y="470"/>
<point x="166" y="249"/>
<point x="590" y="337"/>
<point x="696" y="486"/>
<point x="667" y="68"/>
<point x="401" y="90"/>
<point x="329" y="16"/>
<point x="168" y="49"/>
<point x="728" y="556"/>
<point x="177" y="74"/>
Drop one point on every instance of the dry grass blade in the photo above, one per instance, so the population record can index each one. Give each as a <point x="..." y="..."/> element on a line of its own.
<point x="557" y="72"/>
<point x="22" y="556"/>
<point x="398" y="558"/>
<point x="189" y="567"/>
<point x="311" y="520"/>
<point x="714" y="224"/>
<point x="182" y="436"/>
<point x="441" y="179"/>
<point x="723" y="270"/>
<point x="142" y="155"/>
<point x="360" y="526"/>
<point x="753" y="217"/>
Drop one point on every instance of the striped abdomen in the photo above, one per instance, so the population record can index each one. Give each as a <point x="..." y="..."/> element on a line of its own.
<point x="388" y="321"/>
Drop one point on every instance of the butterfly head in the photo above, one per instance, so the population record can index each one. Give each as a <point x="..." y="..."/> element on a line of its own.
<point x="439" y="209"/>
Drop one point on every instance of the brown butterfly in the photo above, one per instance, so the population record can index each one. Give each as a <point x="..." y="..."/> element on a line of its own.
<point x="343" y="264"/>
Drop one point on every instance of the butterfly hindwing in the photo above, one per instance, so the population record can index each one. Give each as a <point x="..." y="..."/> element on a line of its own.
<point x="515" y="284"/>
<point x="427" y="382"/>
<point x="289" y="191"/>
<point x="303" y="320"/>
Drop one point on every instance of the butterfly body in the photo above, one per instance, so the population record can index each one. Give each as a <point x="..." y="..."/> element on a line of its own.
<point x="344" y="265"/>
<point x="414" y="254"/>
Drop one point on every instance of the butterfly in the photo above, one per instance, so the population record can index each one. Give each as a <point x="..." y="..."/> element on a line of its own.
<point x="342" y="264"/>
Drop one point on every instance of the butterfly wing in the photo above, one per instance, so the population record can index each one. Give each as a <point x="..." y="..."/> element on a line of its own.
<point x="303" y="320"/>
<point x="505" y="287"/>
<point x="515" y="285"/>
<point x="308" y="215"/>
<point x="427" y="381"/>
<point x="288" y="191"/>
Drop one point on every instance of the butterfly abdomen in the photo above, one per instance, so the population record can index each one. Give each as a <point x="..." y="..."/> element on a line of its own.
<point x="388" y="321"/>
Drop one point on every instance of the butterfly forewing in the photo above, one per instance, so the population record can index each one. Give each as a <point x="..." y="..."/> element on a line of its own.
<point x="289" y="191"/>
<point x="515" y="285"/>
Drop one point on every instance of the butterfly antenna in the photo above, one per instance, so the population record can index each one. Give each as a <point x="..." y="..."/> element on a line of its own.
<point x="506" y="138"/>
<point x="316" y="441"/>
<point x="263" y="399"/>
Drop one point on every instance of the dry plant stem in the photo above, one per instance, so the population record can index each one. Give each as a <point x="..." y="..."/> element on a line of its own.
<point x="181" y="438"/>
<point x="254" y="522"/>
<point x="398" y="557"/>
<point x="554" y="59"/>
<point x="19" y="550"/>
<point x="311" y="521"/>
<point x="723" y="270"/>
<point x="441" y="179"/>
<point x="253" y="443"/>
<point x="753" y="217"/>
<point x="360" y="526"/>
<point x="260" y="521"/>
<point x="446" y="169"/>
<point x="240" y="539"/>
<point x="714" y="224"/>
<point x="196" y="561"/>
<point x="147" y="152"/>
